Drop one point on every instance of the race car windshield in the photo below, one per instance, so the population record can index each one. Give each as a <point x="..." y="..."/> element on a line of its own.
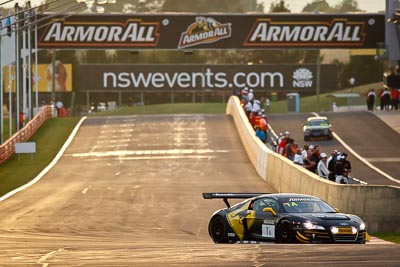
<point x="318" y="123"/>
<point x="306" y="205"/>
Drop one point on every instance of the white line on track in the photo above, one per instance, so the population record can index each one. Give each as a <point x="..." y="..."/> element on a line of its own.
<point x="358" y="156"/>
<point x="48" y="167"/>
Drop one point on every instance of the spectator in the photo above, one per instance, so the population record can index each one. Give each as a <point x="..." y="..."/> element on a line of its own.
<point x="267" y="105"/>
<point x="331" y="164"/>
<point x="315" y="156"/>
<point x="282" y="145"/>
<point x="371" y="99"/>
<point x="304" y="151"/>
<point x="342" y="179"/>
<point x="338" y="169"/>
<point x="244" y="94"/>
<point x="322" y="167"/>
<point x="290" y="148"/>
<point x="381" y="103"/>
<point x="298" y="158"/>
<point x="59" y="106"/>
<point x="21" y="120"/>
<point x="247" y="108"/>
<point x="394" y="96"/>
<point x="386" y="99"/>
<point x="308" y="163"/>
<point x="261" y="134"/>
<point x="256" y="106"/>
<point x="346" y="163"/>
<point x="251" y="95"/>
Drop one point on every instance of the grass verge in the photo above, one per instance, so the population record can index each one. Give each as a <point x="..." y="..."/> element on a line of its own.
<point x="50" y="137"/>
<point x="392" y="237"/>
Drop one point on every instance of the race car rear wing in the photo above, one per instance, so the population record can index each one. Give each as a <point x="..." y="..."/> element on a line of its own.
<point x="226" y="196"/>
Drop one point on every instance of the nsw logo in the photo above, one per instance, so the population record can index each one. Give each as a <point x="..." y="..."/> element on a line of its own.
<point x="302" y="78"/>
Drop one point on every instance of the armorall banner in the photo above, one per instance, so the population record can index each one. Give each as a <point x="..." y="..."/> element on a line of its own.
<point x="212" y="31"/>
<point x="298" y="78"/>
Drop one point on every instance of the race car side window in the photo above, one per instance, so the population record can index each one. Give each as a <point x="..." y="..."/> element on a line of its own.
<point x="262" y="203"/>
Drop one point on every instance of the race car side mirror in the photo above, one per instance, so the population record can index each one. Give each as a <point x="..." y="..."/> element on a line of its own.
<point x="337" y="210"/>
<point x="270" y="210"/>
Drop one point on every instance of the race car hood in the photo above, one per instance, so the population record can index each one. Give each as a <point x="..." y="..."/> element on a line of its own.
<point x="325" y="217"/>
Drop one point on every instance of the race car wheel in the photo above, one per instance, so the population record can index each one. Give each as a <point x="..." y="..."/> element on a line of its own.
<point x="284" y="232"/>
<point x="217" y="230"/>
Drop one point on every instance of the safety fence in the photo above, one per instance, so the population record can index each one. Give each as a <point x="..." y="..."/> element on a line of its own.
<point x="7" y="149"/>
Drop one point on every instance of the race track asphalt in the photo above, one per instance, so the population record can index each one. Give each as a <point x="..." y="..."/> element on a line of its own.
<point x="127" y="192"/>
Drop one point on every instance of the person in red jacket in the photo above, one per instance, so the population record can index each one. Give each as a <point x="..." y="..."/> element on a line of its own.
<point x="21" y="120"/>
<point x="394" y="98"/>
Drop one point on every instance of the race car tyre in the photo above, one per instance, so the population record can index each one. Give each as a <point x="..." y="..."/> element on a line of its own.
<point x="217" y="230"/>
<point x="284" y="232"/>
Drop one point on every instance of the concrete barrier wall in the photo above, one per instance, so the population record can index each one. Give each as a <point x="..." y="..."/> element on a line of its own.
<point x="378" y="206"/>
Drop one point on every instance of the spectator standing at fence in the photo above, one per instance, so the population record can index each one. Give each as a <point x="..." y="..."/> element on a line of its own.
<point x="346" y="163"/>
<point x="331" y="164"/>
<point x="261" y="134"/>
<point x="386" y="99"/>
<point x="308" y="163"/>
<point x="338" y="169"/>
<point x="290" y="149"/>
<point x="251" y="95"/>
<point x="342" y="179"/>
<point x="322" y="167"/>
<point x="298" y="157"/>
<point x="267" y="104"/>
<point x="315" y="156"/>
<point x="247" y="108"/>
<point x="59" y="106"/>
<point x="394" y="98"/>
<point x="312" y="166"/>
<point x="21" y="120"/>
<point x="282" y="145"/>
<point x="371" y="99"/>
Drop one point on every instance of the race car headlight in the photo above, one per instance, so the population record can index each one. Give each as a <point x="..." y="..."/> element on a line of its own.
<point x="334" y="230"/>
<point x="310" y="225"/>
<point x="362" y="226"/>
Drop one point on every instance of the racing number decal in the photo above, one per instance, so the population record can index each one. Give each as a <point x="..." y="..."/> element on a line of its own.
<point x="268" y="230"/>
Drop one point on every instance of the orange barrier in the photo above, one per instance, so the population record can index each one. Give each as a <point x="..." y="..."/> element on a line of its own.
<point x="7" y="149"/>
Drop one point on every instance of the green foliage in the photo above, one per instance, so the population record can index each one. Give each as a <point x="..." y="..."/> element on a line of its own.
<point x="318" y="6"/>
<point x="365" y="69"/>
<point x="323" y="6"/>
<point x="205" y="6"/>
<point x="279" y="6"/>
<point x="391" y="237"/>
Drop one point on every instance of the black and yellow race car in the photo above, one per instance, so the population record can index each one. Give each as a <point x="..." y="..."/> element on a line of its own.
<point x="282" y="218"/>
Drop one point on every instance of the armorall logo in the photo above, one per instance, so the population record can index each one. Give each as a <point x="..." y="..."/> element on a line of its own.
<point x="133" y="32"/>
<point x="338" y="32"/>
<point x="204" y="30"/>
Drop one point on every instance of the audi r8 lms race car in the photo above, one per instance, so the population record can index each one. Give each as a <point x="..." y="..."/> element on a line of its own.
<point x="282" y="218"/>
<point x="317" y="127"/>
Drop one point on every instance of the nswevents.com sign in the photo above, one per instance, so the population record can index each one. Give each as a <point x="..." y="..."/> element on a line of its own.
<point x="200" y="77"/>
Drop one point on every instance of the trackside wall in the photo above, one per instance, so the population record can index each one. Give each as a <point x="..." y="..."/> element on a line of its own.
<point x="378" y="206"/>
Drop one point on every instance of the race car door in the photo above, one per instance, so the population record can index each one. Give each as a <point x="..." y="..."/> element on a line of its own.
<point x="263" y="227"/>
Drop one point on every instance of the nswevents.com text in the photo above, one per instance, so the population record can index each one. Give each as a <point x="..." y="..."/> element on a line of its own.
<point x="204" y="79"/>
